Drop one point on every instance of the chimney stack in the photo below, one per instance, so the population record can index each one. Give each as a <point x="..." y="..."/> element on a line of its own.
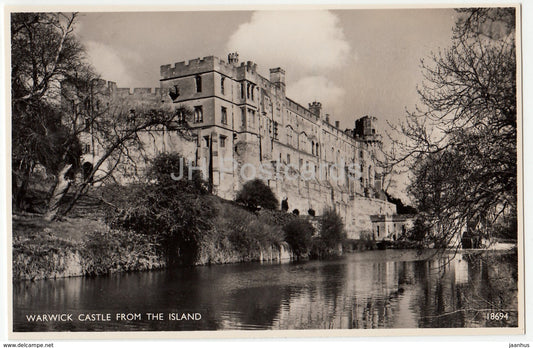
<point x="233" y="58"/>
<point x="337" y="124"/>
<point x="277" y="77"/>
<point x="327" y="118"/>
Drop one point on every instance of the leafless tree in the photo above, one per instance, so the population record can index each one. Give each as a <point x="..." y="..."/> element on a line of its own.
<point x="461" y="144"/>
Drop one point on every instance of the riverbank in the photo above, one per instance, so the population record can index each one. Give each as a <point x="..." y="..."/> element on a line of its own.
<point x="86" y="246"/>
<point x="77" y="247"/>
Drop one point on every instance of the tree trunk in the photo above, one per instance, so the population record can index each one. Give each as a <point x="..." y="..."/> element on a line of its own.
<point x="20" y="190"/>
<point x="61" y="188"/>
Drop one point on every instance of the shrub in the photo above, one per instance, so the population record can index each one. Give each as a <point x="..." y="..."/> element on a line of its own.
<point x="311" y="212"/>
<point x="331" y="234"/>
<point x="285" y="204"/>
<point x="419" y="231"/>
<point x="299" y="233"/>
<point x="296" y="212"/>
<point x="245" y="231"/>
<point x="255" y="194"/>
<point x="176" y="211"/>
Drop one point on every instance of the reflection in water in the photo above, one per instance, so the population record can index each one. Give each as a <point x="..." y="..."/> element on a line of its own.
<point x="375" y="289"/>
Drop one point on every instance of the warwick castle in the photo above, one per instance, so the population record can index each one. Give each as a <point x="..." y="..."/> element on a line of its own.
<point x="245" y="124"/>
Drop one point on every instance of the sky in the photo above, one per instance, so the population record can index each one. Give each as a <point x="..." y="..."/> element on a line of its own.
<point x="355" y="62"/>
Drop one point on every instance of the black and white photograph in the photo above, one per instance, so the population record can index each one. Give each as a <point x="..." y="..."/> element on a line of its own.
<point x="305" y="169"/>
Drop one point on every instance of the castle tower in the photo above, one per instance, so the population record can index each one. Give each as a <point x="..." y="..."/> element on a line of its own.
<point x="315" y="107"/>
<point x="277" y="77"/>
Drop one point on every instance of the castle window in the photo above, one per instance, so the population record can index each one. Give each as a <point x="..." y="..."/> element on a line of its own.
<point x="252" y="117"/>
<point x="198" y="80"/>
<point x="222" y="141"/>
<point x="243" y="117"/>
<point x="198" y="114"/>
<point x="242" y="90"/>
<point x="312" y="147"/>
<point x="288" y="159"/>
<point x="275" y="130"/>
<point x="317" y="150"/>
<point x="224" y="115"/>
<point x="253" y="92"/>
<point x="247" y="90"/>
<point x="222" y="85"/>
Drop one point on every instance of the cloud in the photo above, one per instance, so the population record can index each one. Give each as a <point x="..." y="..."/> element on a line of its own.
<point x="317" y="88"/>
<point x="109" y="64"/>
<point x="309" y="45"/>
<point x="298" y="41"/>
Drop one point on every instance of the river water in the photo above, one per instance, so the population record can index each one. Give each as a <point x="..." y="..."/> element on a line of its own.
<point x="371" y="289"/>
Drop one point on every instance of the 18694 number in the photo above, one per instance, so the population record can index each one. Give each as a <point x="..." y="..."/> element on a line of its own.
<point x="497" y="316"/>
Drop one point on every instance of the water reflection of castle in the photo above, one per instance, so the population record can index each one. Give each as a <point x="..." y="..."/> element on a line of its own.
<point x="399" y="294"/>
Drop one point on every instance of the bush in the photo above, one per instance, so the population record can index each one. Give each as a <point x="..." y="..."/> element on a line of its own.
<point x="419" y="231"/>
<point x="299" y="233"/>
<point x="285" y="204"/>
<point x="245" y="231"/>
<point x="176" y="211"/>
<point x="331" y="234"/>
<point x="255" y="195"/>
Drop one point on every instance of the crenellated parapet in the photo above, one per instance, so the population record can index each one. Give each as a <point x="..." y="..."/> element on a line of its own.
<point x="196" y="66"/>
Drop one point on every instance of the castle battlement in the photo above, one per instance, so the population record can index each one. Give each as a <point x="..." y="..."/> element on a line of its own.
<point x="193" y="66"/>
<point x="135" y="92"/>
<point x="199" y="65"/>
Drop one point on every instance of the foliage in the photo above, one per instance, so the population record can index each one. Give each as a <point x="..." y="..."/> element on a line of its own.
<point x="57" y="99"/>
<point x="331" y="228"/>
<point x="255" y="194"/>
<point x="76" y="247"/>
<point x="401" y="208"/>
<point x="418" y="233"/>
<point x="245" y="231"/>
<point x="43" y="51"/>
<point x="285" y="204"/>
<point x="299" y="233"/>
<point x="331" y="234"/>
<point x="177" y="211"/>
<point x="461" y="145"/>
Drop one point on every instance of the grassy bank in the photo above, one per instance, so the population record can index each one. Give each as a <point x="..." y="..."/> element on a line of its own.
<point x="86" y="246"/>
<point x="77" y="247"/>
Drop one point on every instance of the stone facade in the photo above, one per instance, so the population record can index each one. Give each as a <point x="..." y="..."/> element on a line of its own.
<point x="390" y="227"/>
<point x="245" y="125"/>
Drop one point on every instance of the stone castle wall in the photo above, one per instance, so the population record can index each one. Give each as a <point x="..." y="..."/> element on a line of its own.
<point x="247" y="123"/>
